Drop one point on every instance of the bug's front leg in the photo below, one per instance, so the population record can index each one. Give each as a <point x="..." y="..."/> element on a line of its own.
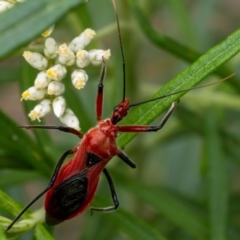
<point x="149" y="128"/>
<point x="99" y="100"/>
<point x="60" y="128"/>
<point x="113" y="193"/>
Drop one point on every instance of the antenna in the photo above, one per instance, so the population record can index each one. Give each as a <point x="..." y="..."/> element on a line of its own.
<point x="121" y="46"/>
<point x="181" y="91"/>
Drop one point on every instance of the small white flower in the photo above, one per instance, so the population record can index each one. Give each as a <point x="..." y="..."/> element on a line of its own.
<point x="57" y="72"/>
<point x="59" y="105"/>
<point x="51" y="47"/>
<point x="79" y="78"/>
<point x="41" y="80"/>
<point x="55" y="88"/>
<point x="66" y="55"/>
<point x="35" y="59"/>
<point x="97" y="56"/>
<point x="69" y="119"/>
<point x="82" y="40"/>
<point x="83" y="58"/>
<point x="48" y="31"/>
<point x="41" y="110"/>
<point x="33" y="94"/>
<point x="5" y="6"/>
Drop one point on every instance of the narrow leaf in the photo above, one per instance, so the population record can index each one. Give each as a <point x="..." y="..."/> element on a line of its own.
<point x="41" y="233"/>
<point x="2" y="235"/>
<point x="131" y="225"/>
<point x="28" y="21"/>
<point x="172" y="46"/>
<point x="15" y="142"/>
<point x="188" y="78"/>
<point x="8" y="205"/>
<point x="218" y="189"/>
<point x="170" y="206"/>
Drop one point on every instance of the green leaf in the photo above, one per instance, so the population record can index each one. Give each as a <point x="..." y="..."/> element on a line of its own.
<point x="20" y="147"/>
<point x="27" y="20"/>
<point x="217" y="177"/>
<point x="183" y="52"/>
<point x="8" y="205"/>
<point x="41" y="233"/>
<point x="2" y="235"/>
<point x="131" y="225"/>
<point x="188" y="78"/>
<point x="23" y="225"/>
<point x="171" y="206"/>
<point x="11" y="177"/>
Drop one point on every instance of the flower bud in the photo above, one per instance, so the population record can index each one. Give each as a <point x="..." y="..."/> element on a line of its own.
<point x="79" y="78"/>
<point x="50" y="49"/>
<point x="36" y="60"/>
<point x="66" y="56"/>
<point x="97" y="56"/>
<point x="48" y="31"/>
<point x="55" y="88"/>
<point x="41" y="80"/>
<point x="57" y="72"/>
<point x="59" y="105"/>
<point x="69" y="119"/>
<point x="82" y="40"/>
<point x="40" y="110"/>
<point x="83" y="58"/>
<point x="33" y="94"/>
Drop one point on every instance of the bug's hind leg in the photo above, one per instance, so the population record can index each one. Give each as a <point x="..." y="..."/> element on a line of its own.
<point x="50" y="184"/>
<point x="113" y="193"/>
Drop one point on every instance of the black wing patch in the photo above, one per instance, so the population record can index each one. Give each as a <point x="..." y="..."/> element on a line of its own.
<point x="69" y="196"/>
<point x="92" y="159"/>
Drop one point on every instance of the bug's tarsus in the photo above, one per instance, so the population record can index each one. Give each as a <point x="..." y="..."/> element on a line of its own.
<point x="126" y="159"/>
<point x="113" y="193"/>
<point x="164" y="120"/>
<point x="60" y="128"/>
<point x="99" y="100"/>
<point x="122" y="53"/>
<point x="50" y="184"/>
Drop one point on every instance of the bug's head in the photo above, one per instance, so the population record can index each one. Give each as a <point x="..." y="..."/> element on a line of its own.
<point x="120" y="111"/>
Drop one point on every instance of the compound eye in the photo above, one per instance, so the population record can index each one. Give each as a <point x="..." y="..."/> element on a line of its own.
<point x="115" y="108"/>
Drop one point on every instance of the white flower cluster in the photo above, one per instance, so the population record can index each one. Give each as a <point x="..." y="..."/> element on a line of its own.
<point x="53" y="65"/>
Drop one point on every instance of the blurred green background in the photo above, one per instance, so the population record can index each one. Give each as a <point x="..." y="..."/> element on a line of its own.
<point x="186" y="185"/>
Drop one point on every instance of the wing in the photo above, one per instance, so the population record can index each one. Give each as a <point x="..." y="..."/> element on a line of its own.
<point x="66" y="198"/>
<point x="69" y="197"/>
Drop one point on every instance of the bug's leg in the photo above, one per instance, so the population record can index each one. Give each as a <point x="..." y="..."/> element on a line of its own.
<point x="99" y="100"/>
<point x="60" y="128"/>
<point x="126" y="159"/>
<point x="149" y="128"/>
<point x="113" y="193"/>
<point x="50" y="184"/>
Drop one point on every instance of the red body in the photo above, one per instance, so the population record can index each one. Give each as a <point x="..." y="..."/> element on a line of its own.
<point x="99" y="141"/>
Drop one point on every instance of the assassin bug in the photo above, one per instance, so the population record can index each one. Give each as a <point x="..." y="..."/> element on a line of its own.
<point x="72" y="187"/>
